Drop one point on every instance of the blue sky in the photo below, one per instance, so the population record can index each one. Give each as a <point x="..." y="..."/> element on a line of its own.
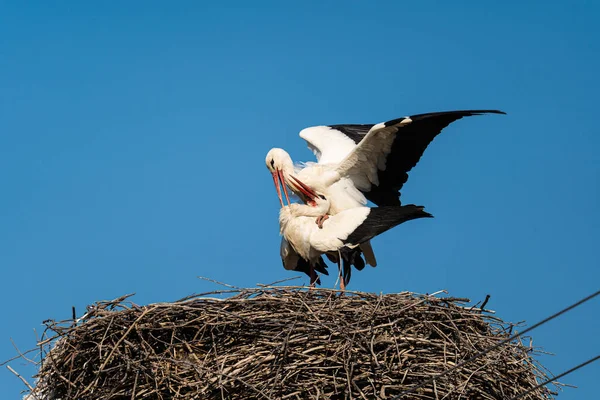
<point x="133" y="137"/>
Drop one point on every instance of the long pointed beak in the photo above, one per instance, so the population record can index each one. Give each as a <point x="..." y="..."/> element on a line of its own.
<point x="303" y="188"/>
<point x="282" y="180"/>
<point x="276" y="182"/>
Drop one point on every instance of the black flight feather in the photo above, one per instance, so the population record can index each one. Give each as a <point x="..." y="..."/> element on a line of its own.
<point x="380" y="219"/>
<point x="408" y="147"/>
<point x="355" y="132"/>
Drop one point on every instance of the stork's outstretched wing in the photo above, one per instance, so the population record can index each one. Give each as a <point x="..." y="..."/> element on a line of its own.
<point x="379" y="164"/>
<point x="331" y="144"/>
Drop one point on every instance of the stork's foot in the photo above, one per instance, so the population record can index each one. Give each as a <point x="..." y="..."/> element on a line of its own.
<point x="321" y="219"/>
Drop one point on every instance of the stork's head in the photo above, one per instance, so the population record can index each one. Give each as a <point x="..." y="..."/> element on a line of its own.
<point x="279" y="159"/>
<point x="280" y="164"/>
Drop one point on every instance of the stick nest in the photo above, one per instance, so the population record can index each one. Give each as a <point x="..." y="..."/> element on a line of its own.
<point x="284" y="343"/>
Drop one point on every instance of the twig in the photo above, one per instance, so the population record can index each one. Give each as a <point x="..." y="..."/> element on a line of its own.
<point x="262" y="285"/>
<point x="22" y="379"/>
<point x="487" y="298"/>
<point x="219" y="283"/>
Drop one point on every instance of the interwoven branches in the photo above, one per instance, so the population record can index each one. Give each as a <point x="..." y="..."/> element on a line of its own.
<point x="284" y="343"/>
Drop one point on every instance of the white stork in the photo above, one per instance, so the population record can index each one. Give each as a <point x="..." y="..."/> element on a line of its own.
<point x="341" y="232"/>
<point x="292" y="261"/>
<point x="356" y="163"/>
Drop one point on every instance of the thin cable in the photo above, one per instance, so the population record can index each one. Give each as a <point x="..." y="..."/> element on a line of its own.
<point x="500" y="343"/>
<point x="557" y="377"/>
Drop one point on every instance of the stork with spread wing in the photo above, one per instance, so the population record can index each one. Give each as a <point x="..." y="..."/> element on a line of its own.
<point x="356" y="163"/>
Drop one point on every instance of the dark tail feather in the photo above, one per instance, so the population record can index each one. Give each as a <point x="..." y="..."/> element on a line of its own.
<point x="350" y="258"/>
<point x="380" y="219"/>
<point x="321" y="267"/>
<point x="304" y="266"/>
<point x="346" y="272"/>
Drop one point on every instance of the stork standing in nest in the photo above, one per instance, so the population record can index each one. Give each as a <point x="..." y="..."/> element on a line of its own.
<point x="343" y="231"/>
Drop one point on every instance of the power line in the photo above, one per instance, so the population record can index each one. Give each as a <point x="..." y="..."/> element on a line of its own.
<point x="591" y="360"/>
<point x="500" y="343"/>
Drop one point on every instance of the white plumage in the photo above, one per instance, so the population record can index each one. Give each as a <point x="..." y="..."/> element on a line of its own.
<point x="345" y="230"/>
<point x="297" y="226"/>
<point x="356" y="163"/>
<point x="328" y="145"/>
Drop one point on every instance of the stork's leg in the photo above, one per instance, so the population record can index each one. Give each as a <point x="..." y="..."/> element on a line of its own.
<point x="320" y="219"/>
<point x="341" y="275"/>
<point x="313" y="276"/>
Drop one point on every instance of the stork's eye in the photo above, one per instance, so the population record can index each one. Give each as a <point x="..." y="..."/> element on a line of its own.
<point x="322" y="197"/>
<point x="272" y="163"/>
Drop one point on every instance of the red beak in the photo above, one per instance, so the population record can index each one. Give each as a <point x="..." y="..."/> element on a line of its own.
<point x="278" y="180"/>
<point x="304" y="189"/>
<point x="284" y="186"/>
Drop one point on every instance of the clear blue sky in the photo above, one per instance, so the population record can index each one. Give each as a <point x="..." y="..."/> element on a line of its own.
<point x="133" y="136"/>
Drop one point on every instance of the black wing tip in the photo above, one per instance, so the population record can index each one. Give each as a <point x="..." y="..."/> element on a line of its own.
<point x="482" y="112"/>
<point x="416" y="211"/>
<point x="420" y="210"/>
<point x="456" y="114"/>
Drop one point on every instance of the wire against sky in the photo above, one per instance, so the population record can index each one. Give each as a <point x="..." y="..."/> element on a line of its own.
<point x="500" y="343"/>
<point x="591" y="360"/>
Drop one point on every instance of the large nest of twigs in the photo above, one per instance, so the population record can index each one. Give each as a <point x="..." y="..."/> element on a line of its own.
<point x="285" y="343"/>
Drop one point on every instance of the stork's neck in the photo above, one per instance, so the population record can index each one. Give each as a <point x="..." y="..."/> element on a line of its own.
<point x="287" y="213"/>
<point x="285" y="216"/>
<point x="295" y="214"/>
<point x="304" y="210"/>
